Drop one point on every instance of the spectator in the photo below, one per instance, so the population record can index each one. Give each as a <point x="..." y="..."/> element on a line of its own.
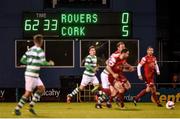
<point x="174" y="80"/>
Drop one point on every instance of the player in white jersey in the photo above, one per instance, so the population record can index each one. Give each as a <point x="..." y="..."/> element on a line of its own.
<point x="88" y="75"/>
<point x="34" y="58"/>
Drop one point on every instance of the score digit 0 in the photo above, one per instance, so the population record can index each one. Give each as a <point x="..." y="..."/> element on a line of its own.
<point x="125" y="24"/>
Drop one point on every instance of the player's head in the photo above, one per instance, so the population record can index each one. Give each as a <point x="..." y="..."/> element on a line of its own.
<point x="120" y="46"/>
<point x="124" y="53"/>
<point x="150" y="50"/>
<point x="92" y="50"/>
<point x="38" y="40"/>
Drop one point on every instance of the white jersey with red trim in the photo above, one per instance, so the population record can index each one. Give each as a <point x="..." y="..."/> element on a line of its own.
<point x="104" y="75"/>
<point x="113" y="58"/>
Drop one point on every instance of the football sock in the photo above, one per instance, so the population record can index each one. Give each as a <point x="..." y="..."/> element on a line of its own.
<point x="21" y="103"/>
<point x="95" y="88"/>
<point x="36" y="97"/>
<point x="142" y="93"/>
<point x="74" y="92"/>
<point x="155" y="98"/>
<point x="121" y="97"/>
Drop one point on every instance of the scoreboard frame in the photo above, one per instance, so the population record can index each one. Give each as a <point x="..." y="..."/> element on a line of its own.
<point x="29" y="41"/>
<point x="79" y="25"/>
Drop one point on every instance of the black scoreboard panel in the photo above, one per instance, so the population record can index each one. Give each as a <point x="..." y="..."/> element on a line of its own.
<point x="78" y="24"/>
<point x="61" y="52"/>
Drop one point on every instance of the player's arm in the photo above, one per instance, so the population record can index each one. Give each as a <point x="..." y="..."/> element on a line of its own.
<point x="128" y="67"/>
<point x="44" y="62"/>
<point x="97" y="67"/>
<point x="110" y="63"/>
<point x="157" y="67"/>
<point x="143" y="60"/>
<point x="88" y="66"/>
<point x="23" y="59"/>
<point x="139" y="71"/>
<point x="106" y="62"/>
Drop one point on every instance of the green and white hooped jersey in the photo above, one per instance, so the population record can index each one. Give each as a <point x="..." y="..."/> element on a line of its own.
<point x="34" y="58"/>
<point x="90" y="65"/>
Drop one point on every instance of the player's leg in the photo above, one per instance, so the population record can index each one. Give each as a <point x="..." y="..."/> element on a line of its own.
<point x="37" y="95"/>
<point x="153" y="93"/>
<point x="121" y="90"/>
<point x="29" y="82"/>
<point x="95" y="83"/>
<point x="127" y="85"/>
<point x="141" y="94"/>
<point x="105" y="83"/>
<point x="84" y="82"/>
<point x="124" y="86"/>
<point x="143" y="91"/>
<point x="138" y="96"/>
<point x="103" y="98"/>
<point x="107" y="87"/>
<point x="100" y="95"/>
<point x="74" y="92"/>
<point x="100" y="99"/>
<point x="121" y="100"/>
<point x="22" y="102"/>
<point x="114" y="93"/>
<point x="153" y="89"/>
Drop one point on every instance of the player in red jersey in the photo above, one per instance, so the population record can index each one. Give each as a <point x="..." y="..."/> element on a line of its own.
<point x="150" y="65"/>
<point x="120" y="83"/>
<point x="106" y="88"/>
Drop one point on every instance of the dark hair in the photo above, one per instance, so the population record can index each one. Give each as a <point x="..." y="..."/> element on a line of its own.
<point x="92" y="46"/>
<point x="38" y="38"/>
<point x="119" y="43"/>
<point x="149" y="47"/>
<point x="124" y="50"/>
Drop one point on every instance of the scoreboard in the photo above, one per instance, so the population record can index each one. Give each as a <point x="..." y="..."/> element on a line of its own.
<point x="78" y="24"/>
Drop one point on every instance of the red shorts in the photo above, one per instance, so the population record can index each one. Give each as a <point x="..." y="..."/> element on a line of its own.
<point x="107" y="91"/>
<point x="121" y="78"/>
<point x="149" y="77"/>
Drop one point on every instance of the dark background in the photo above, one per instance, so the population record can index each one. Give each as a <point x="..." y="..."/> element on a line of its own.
<point x="154" y="23"/>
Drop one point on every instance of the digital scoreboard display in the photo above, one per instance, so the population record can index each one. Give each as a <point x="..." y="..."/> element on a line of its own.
<point x="78" y="24"/>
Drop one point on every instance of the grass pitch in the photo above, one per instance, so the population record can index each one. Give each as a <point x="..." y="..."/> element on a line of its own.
<point x="88" y="110"/>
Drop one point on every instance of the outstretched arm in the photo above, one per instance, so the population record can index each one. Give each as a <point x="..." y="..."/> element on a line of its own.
<point x="24" y="59"/>
<point x="44" y="62"/>
<point x="128" y="68"/>
<point x="139" y="71"/>
<point x="157" y="68"/>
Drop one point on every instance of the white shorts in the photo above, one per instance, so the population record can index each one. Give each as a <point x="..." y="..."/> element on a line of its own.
<point x="31" y="83"/>
<point x="89" y="80"/>
<point x="104" y="80"/>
